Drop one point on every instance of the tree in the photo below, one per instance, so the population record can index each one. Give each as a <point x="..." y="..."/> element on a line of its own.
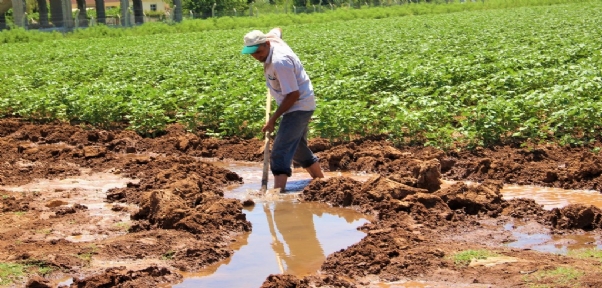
<point x="82" y="16"/>
<point x="100" y="12"/>
<point x="2" y="21"/>
<point x="138" y="12"/>
<point x="204" y="7"/>
<point x="42" y="8"/>
<point x="31" y="6"/>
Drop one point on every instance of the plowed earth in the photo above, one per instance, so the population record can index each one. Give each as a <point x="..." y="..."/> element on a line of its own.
<point x="176" y="218"/>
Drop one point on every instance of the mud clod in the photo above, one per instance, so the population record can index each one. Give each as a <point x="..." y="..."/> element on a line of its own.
<point x="474" y="199"/>
<point x="9" y="203"/>
<point x="121" y="277"/>
<point x="248" y="203"/>
<point x="38" y="282"/>
<point x="576" y="216"/>
<point x="282" y="281"/>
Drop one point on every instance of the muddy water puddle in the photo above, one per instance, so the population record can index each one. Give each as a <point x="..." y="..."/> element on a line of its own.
<point x="89" y="190"/>
<point x="551" y="198"/>
<point x="550" y="243"/>
<point x="539" y="238"/>
<point x="287" y="237"/>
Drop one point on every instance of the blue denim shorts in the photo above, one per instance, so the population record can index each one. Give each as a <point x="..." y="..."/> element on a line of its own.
<point x="290" y="143"/>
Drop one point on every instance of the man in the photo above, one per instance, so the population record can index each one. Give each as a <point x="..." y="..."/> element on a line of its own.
<point x="290" y="86"/>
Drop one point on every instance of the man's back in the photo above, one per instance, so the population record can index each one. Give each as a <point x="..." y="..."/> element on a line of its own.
<point x="285" y="73"/>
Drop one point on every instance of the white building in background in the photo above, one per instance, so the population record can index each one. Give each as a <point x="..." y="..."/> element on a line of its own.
<point x="154" y="5"/>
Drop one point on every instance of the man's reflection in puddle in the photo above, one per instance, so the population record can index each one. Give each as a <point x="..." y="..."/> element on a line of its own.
<point x="294" y="240"/>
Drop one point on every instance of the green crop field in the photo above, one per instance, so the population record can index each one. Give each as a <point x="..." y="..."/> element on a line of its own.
<point x="470" y="78"/>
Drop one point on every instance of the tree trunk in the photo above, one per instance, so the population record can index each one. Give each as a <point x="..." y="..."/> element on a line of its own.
<point x="177" y="11"/>
<point x="100" y="12"/>
<point x="83" y="16"/>
<point x="138" y="12"/>
<point x="2" y="22"/>
<point x="19" y="18"/>
<point x="43" y="10"/>
<point x="125" y="13"/>
<point x="56" y="13"/>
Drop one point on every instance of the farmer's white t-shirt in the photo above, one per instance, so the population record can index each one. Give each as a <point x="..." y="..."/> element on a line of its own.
<point x="284" y="74"/>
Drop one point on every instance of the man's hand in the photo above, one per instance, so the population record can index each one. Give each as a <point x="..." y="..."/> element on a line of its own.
<point x="286" y="104"/>
<point x="268" y="127"/>
<point x="279" y="29"/>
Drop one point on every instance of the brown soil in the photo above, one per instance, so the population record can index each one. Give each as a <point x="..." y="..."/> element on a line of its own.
<point x="178" y="220"/>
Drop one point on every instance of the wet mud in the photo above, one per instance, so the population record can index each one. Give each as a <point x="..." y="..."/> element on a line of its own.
<point x="171" y="216"/>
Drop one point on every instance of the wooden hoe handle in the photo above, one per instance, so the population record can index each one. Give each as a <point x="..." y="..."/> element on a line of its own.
<point x="266" y="146"/>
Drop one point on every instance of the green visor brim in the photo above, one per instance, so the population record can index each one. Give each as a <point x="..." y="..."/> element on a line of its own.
<point x="250" y="49"/>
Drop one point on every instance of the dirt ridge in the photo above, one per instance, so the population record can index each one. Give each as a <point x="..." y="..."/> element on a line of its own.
<point x="178" y="220"/>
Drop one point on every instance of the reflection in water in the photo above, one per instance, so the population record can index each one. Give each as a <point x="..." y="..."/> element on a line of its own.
<point x="294" y="225"/>
<point x="294" y="237"/>
<point x="287" y="236"/>
<point x="298" y="236"/>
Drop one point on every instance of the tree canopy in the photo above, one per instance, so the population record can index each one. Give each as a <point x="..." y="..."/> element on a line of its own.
<point x="204" y="7"/>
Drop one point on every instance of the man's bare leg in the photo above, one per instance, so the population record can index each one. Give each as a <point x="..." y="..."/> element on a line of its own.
<point x="315" y="171"/>
<point x="280" y="181"/>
